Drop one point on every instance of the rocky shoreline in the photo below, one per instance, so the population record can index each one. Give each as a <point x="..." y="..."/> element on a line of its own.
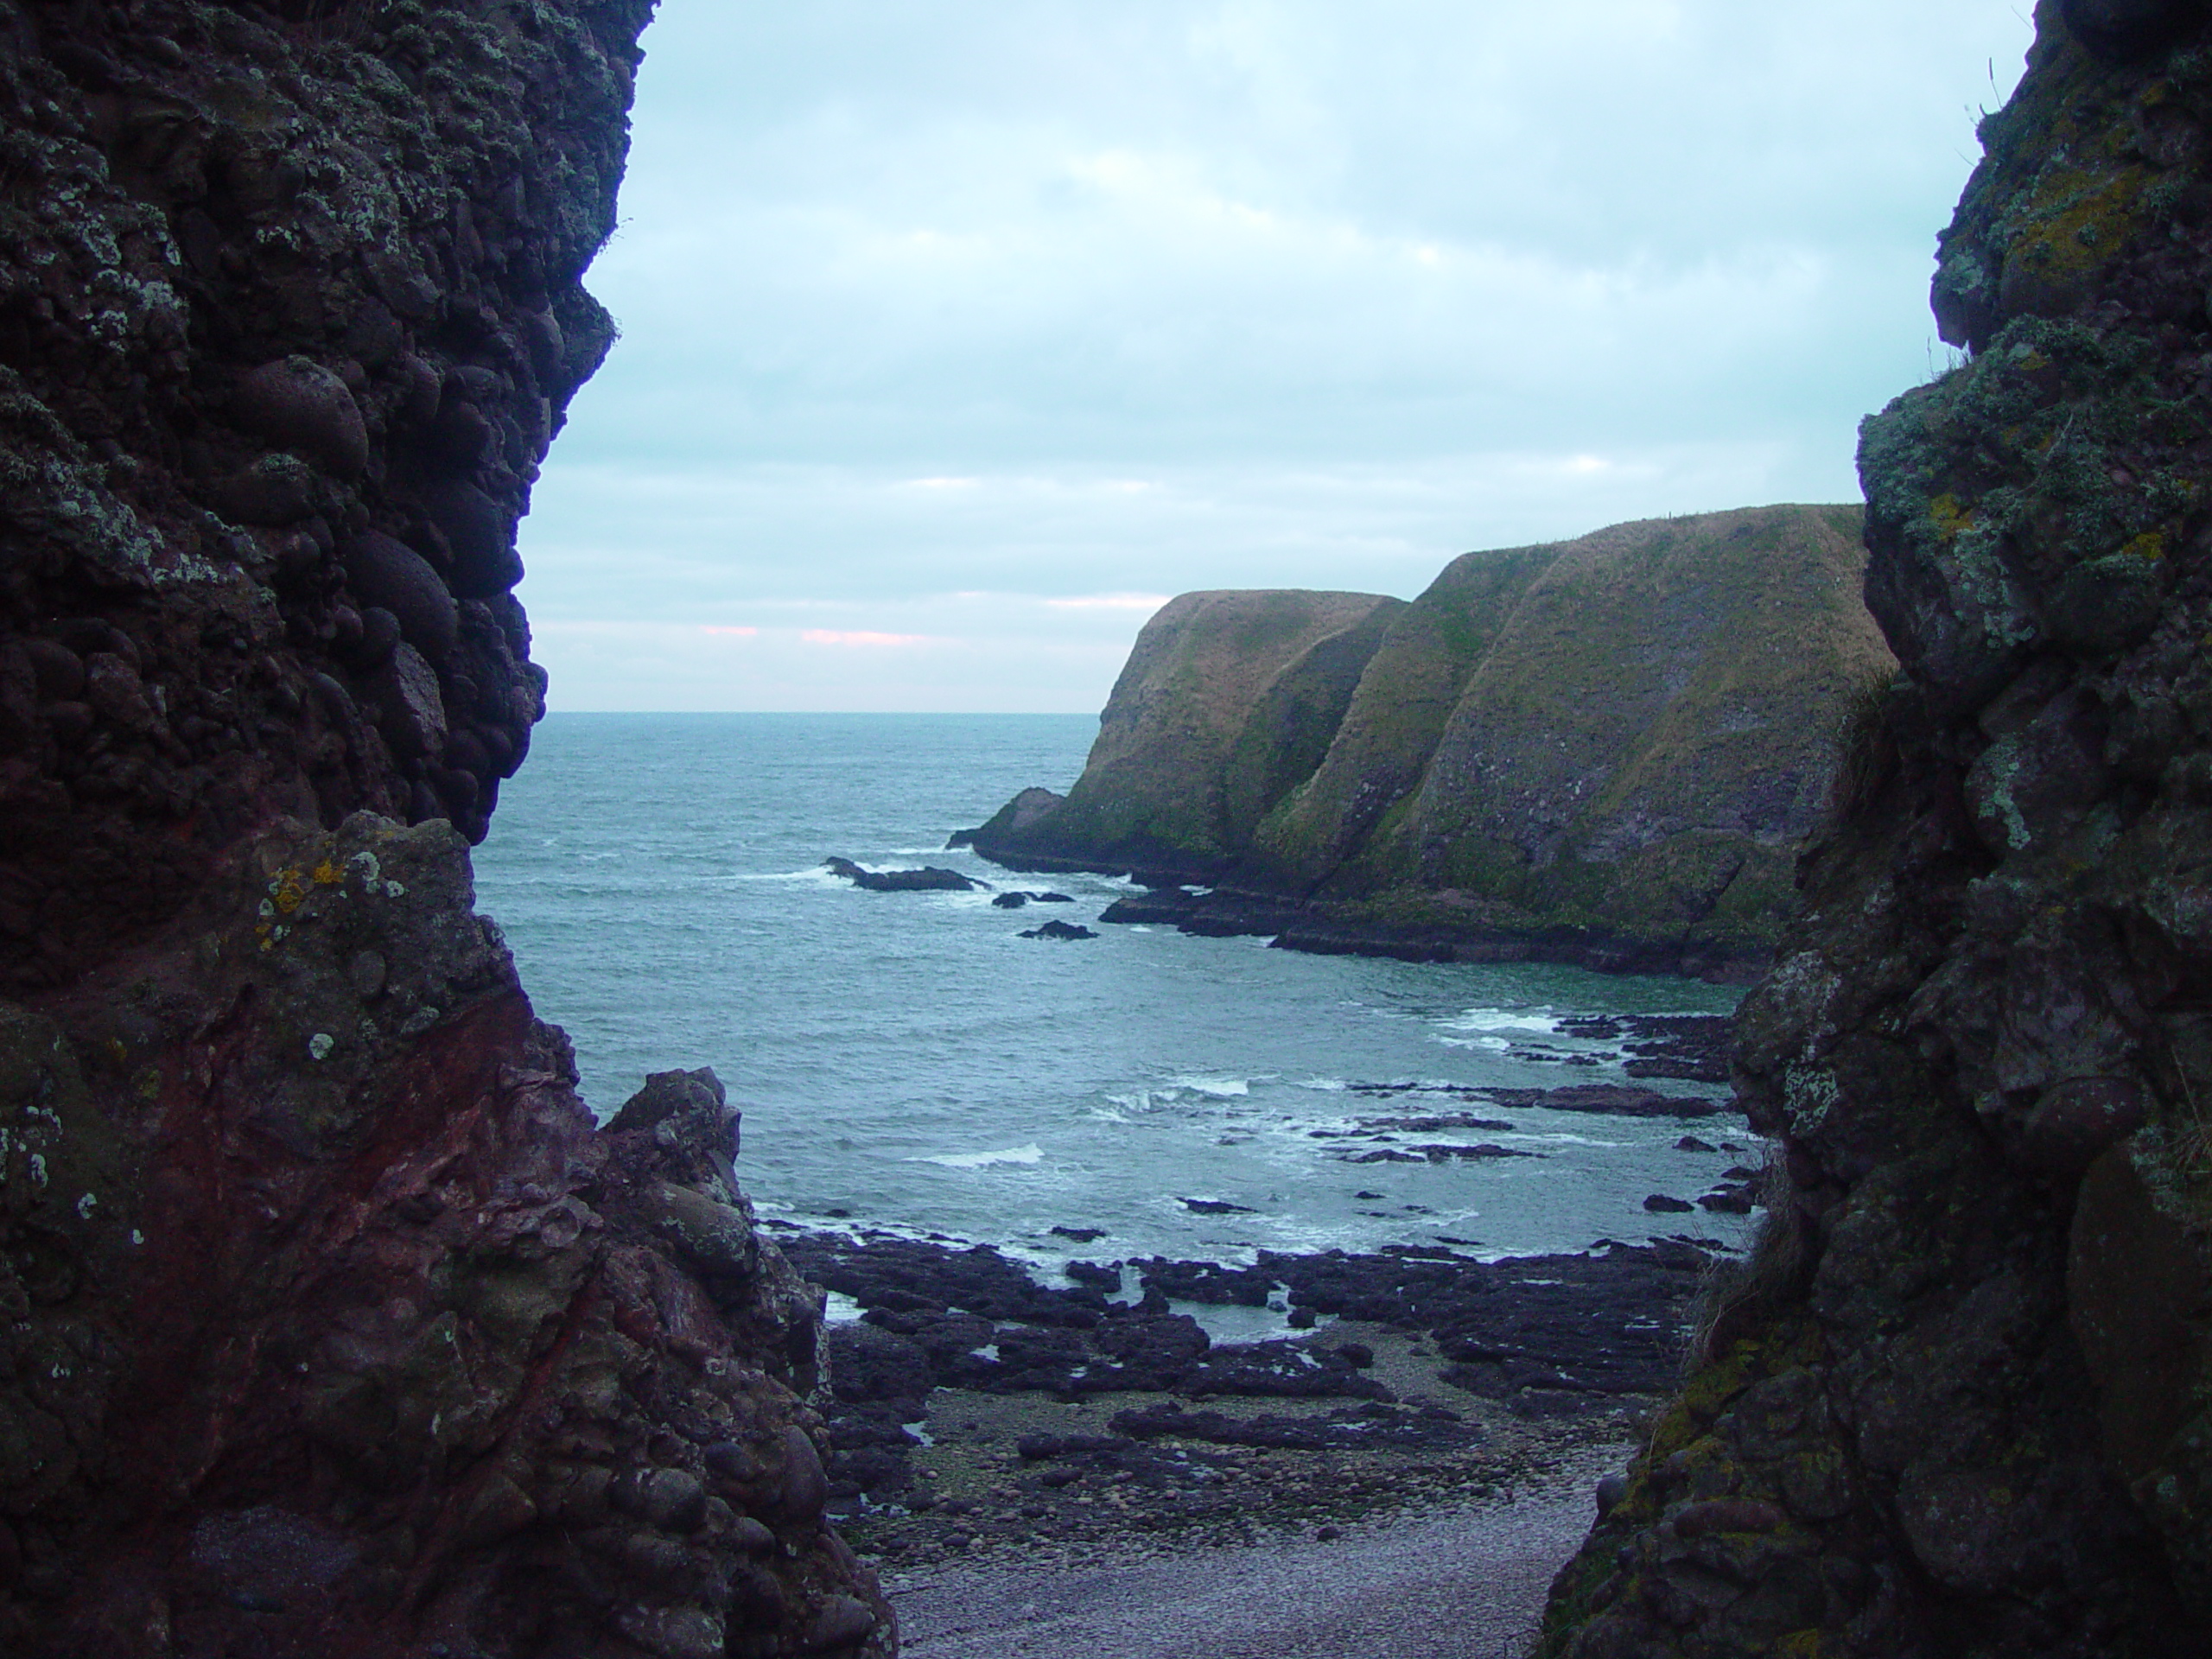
<point x="980" y="1413"/>
<point x="1323" y="928"/>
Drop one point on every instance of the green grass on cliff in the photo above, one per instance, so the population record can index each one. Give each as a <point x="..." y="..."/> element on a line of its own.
<point x="1625" y="733"/>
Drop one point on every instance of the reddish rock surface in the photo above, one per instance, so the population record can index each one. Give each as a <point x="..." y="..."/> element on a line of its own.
<point x="340" y="1328"/>
<point x="329" y="1321"/>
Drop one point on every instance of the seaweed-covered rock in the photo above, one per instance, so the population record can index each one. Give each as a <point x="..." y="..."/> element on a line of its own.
<point x="1954" y="1404"/>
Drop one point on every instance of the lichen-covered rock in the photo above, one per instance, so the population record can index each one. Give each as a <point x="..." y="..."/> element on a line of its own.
<point x="285" y="294"/>
<point x="1987" y="1049"/>
<point x="1606" y="750"/>
<point x="333" y="1322"/>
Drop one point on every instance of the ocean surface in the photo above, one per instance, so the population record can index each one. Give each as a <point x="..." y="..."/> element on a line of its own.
<point x="907" y="1060"/>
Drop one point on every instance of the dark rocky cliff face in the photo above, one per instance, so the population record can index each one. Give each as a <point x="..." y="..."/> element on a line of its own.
<point x="1606" y="750"/>
<point x="1958" y="1405"/>
<point x="289" y="310"/>
<point x="329" y="1321"/>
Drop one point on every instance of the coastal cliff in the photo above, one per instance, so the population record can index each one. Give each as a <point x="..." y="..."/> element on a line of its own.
<point x="330" y="1322"/>
<point x="1606" y="750"/>
<point x="1956" y="1402"/>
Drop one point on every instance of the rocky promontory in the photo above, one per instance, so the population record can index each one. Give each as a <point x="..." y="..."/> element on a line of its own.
<point x="1606" y="750"/>
<point x="330" y="1322"/>
<point x="1956" y="1402"/>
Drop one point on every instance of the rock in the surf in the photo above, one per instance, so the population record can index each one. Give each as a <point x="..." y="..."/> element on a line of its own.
<point x="1056" y="929"/>
<point x="927" y="879"/>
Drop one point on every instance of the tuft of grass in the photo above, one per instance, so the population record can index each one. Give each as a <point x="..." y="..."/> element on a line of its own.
<point x="333" y="23"/>
<point x="1866" y="748"/>
<point x="1738" y="1295"/>
<point x="2193" y="1141"/>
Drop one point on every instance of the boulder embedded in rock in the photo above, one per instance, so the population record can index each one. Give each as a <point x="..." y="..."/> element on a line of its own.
<point x="384" y="572"/>
<point x="297" y="403"/>
<point x="413" y="713"/>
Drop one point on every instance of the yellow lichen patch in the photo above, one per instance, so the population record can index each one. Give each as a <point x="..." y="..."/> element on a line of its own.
<point x="327" y="874"/>
<point x="2083" y="220"/>
<point x="2150" y="545"/>
<point x="288" y="890"/>
<point x="1799" y="1644"/>
<point x="1951" y="515"/>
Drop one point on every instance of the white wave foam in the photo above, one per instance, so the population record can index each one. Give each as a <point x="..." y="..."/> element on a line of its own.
<point x="1029" y="1155"/>
<point x="1327" y="1085"/>
<point x="1536" y="1020"/>
<point x="1219" y="1087"/>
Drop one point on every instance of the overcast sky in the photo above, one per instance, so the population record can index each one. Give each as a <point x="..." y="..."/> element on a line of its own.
<point x="959" y="333"/>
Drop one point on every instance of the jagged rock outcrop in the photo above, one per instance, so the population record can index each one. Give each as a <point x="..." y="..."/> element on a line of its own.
<point x="337" y="1325"/>
<point x="1606" y="750"/>
<point x="1957" y="1404"/>
<point x="329" y="1321"/>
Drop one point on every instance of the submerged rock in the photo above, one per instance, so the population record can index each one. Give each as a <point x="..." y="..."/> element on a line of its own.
<point x="1056" y="929"/>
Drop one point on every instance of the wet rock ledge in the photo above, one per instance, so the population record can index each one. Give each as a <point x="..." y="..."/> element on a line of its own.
<point x="977" y="1410"/>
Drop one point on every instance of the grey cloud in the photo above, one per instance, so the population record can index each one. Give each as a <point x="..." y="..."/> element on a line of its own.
<point x="1348" y="290"/>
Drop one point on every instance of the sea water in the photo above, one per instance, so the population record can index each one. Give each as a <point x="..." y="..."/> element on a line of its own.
<point x="908" y="1060"/>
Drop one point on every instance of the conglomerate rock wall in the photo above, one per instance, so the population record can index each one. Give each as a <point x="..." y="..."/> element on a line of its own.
<point x="289" y="310"/>
<point x="330" y="1322"/>
<point x="1961" y="1401"/>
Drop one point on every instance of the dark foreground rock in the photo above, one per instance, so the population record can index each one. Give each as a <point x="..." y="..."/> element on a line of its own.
<point x="329" y="1322"/>
<point x="336" y="1325"/>
<point x="260" y="506"/>
<point x="1955" y="1403"/>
